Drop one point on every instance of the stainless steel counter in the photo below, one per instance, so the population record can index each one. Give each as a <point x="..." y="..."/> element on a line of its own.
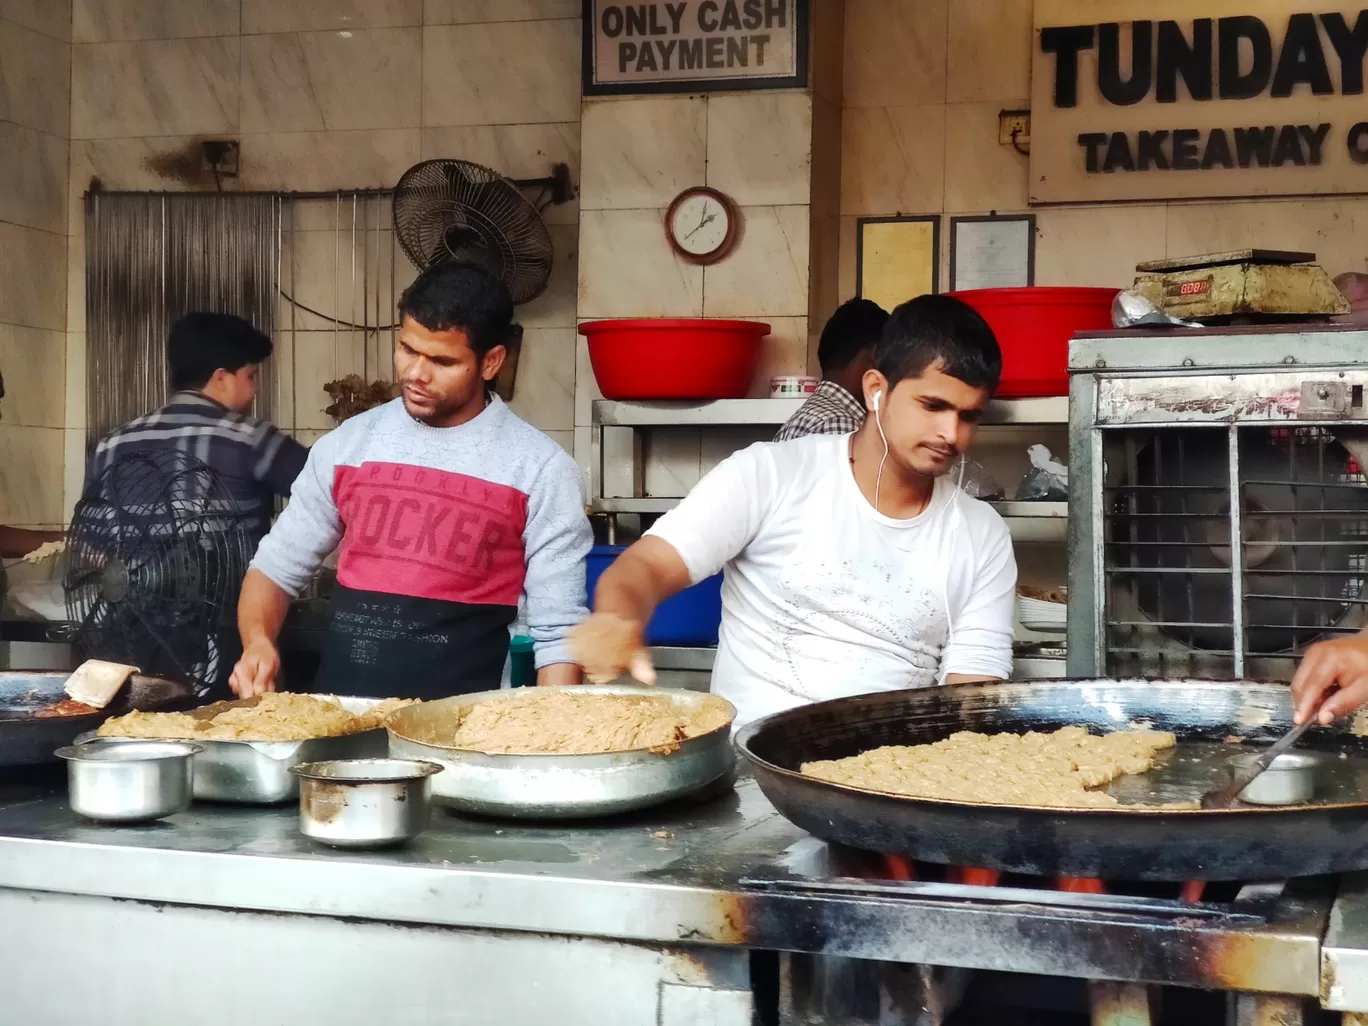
<point x="662" y="877"/>
<point x="669" y="877"/>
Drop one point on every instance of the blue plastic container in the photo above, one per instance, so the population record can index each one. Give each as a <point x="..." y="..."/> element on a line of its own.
<point x="689" y="619"/>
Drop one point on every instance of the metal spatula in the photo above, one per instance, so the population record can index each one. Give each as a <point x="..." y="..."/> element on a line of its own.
<point x="96" y="681"/>
<point x="1224" y="797"/>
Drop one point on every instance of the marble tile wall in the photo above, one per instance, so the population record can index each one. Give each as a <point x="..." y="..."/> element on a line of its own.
<point x="323" y="95"/>
<point x="638" y="154"/>
<point x="35" y="63"/>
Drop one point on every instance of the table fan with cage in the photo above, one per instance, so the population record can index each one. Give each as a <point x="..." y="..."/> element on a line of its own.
<point x="156" y="553"/>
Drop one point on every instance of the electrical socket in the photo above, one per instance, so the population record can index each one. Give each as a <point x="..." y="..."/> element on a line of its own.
<point x="1014" y="123"/>
<point x="219" y="156"/>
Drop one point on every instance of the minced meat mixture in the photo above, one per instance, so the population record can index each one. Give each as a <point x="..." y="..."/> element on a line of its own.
<point x="541" y="722"/>
<point x="1059" y="769"/>
<point x="275" y="716"/>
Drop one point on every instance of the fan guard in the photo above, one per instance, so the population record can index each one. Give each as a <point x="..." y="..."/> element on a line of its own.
<point x="456" y="210"/>
<point x="156" y="554"/>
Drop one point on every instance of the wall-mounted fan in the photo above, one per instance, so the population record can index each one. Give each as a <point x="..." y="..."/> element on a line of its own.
<point x="456" y="210"/>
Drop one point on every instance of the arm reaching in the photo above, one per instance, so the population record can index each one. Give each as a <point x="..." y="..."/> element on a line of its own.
<point x="709" y="528"/>
<point x="612" y="641"/>
<point x="261" y="612"/>
<point x="304" y="533"/>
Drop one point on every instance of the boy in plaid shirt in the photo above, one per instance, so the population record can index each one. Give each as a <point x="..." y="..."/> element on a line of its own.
<point x="846" y="351"/>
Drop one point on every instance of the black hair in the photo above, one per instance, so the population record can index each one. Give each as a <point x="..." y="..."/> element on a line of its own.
<point x="201" y="343"/>
<point x="460" y="297"/>
<point x="931" y="329"/>
<point x="855" y="326"/>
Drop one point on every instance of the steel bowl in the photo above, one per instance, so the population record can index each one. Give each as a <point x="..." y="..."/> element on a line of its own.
<point x="1289" y="780"/>
<point x="130" y="782"/>
<point x="559" y="786"/>
<point x="364" y="803"/>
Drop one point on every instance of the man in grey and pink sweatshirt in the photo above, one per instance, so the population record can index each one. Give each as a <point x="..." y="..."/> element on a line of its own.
<point x="444" y="507"/>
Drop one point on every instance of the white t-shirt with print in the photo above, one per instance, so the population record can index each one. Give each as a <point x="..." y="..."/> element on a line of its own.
<point x="823" y="597"/>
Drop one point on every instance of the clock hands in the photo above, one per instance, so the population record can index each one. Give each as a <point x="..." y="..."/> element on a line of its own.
<point x="708" y="218"/>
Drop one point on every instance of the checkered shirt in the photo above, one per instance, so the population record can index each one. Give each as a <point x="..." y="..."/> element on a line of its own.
<point x="830" y="410"/>
<point x="251" y="457"/>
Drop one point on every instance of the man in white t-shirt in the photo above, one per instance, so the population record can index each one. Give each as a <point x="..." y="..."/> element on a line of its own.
<point x="853" y="563"/>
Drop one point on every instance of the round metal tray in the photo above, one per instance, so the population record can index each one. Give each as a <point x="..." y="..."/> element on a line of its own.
<point x="557" y="786"/>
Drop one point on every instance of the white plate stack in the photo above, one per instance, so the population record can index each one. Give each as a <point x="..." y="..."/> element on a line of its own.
<point x="1041" y="616"/>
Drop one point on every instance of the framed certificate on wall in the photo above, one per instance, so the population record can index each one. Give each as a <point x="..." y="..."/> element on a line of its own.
<point x="992" y="252"/>
<point x="896" y="258"/>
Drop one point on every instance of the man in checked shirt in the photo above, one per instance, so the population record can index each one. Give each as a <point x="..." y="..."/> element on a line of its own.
<point x="214" y="360"/>
<point x="846" y="351"/>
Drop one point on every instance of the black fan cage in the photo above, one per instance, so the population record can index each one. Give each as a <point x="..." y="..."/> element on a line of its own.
<point x="156" y="554"/>
<point x="455" y="210"/>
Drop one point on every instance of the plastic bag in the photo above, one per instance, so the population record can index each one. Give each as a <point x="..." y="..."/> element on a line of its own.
<point x="1046" y="481"/>
<point x="1130" y="310"/>
<point x="975" y="480"/>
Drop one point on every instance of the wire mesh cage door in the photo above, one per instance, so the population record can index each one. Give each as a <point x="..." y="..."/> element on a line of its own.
<point x="1174" y="498"/>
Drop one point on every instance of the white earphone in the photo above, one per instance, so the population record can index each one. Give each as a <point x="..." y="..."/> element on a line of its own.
<point x="878" y="420"/>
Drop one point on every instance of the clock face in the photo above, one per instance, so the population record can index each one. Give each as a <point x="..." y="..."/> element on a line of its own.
<point x="700" y="224"/>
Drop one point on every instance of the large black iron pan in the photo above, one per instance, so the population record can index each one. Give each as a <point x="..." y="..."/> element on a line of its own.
<point x="27" y="739"/>
<point x="1134" y="842"/>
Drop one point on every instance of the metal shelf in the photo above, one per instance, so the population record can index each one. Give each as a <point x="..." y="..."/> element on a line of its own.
<point x="1028" y="521"/>
<point x="652" y="505"/>
<point x="718" y="413"/>
<point x="773" y="412"/>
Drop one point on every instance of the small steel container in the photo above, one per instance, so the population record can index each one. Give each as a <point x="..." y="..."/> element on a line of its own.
<point x="365" y="803"/>
<point x="1289" y="780"/>
<point x="130" y="782"/>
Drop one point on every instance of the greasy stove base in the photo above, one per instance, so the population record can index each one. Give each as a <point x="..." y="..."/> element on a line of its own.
<point x="1227" y="920"/>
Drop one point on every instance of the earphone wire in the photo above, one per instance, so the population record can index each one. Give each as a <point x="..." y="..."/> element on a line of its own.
<point x="878" y="478"/>
<point x="955" y="521"/>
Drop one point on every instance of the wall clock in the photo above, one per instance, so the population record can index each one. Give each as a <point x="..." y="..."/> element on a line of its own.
<point x="701" y="225"/>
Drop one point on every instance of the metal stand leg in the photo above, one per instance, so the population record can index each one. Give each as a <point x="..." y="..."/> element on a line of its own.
<point x="1266" y="1010"/>
<point x="1119" y="1004"/>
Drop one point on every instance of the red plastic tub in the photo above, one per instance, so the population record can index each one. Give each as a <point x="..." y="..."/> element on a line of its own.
<point x="1033" y="327"/>
<point x="674" y="358"/>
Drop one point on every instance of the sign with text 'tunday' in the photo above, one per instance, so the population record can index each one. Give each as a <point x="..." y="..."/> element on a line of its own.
<point x="1197" y="98"/>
